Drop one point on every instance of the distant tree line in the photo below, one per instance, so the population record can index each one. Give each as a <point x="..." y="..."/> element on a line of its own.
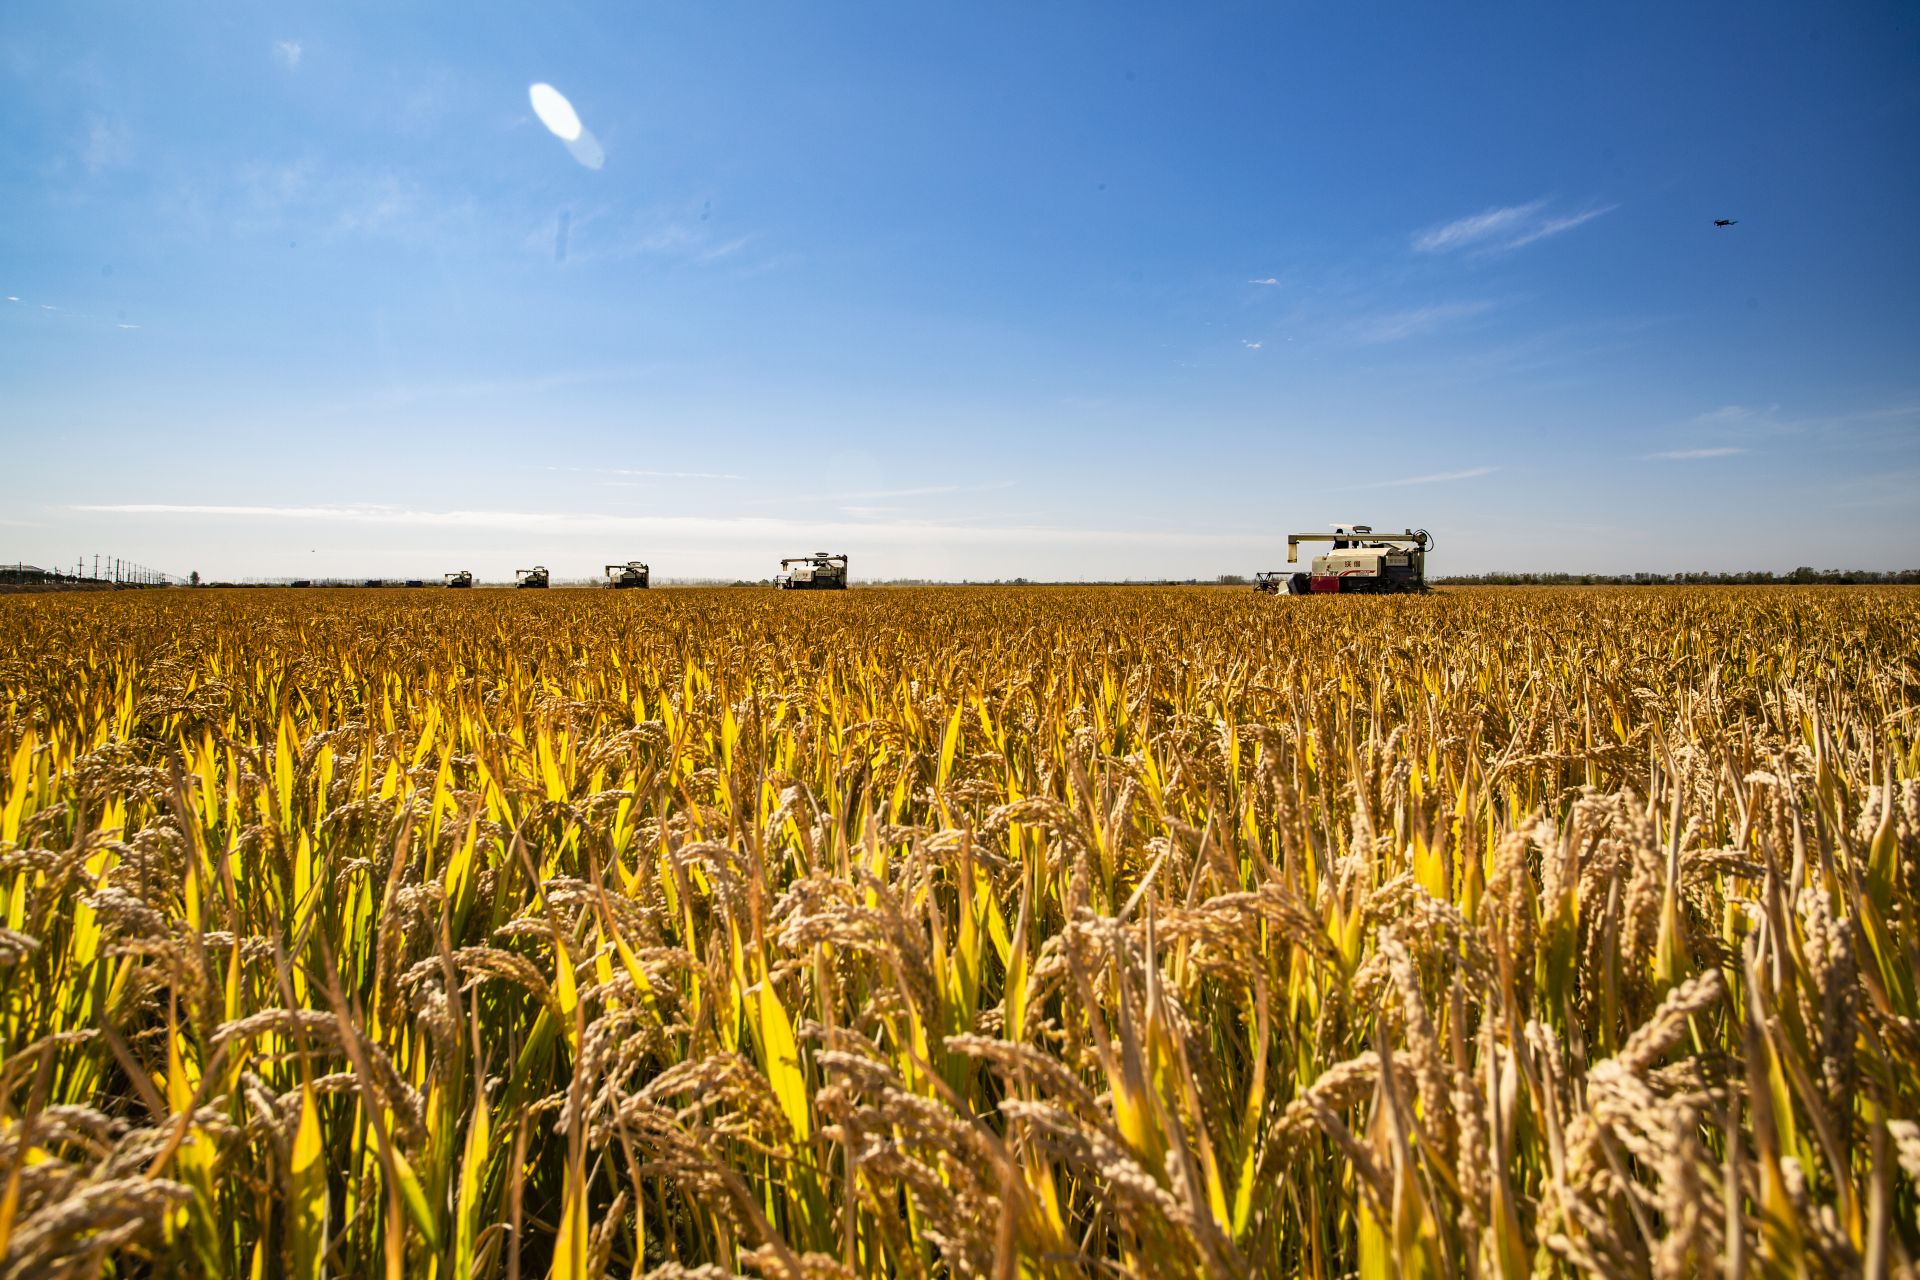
<point x="1804" y="574"/>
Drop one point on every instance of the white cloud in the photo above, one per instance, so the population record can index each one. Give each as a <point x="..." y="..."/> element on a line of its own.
<point x="676" y="475"/>
<point x="1270" y="280"/>
<point x="925" y="490"/>
<point x="678" y="233"/>
<point x="747" y="530"/>
<point x="302" y="198"/>
<point x="1438" y="477"/>
<point x="1251" y="346"/>
<point x="108" y="146"/>
<point x="640" y="473"/>
<point x="1392" y="326"/>
<point x="288" y="51"/>
<point x="680" y="239"/>
<point x="1481" y="226"/>
<point x="12" y="298"/>
<point x="1503" y="228"/>
<point x="1689" y="455"/>
<point x="1726" y="413"/>
<point x="1554" y="226"/>
<point x="726" y="249"/>
<point x="385" y="202"/>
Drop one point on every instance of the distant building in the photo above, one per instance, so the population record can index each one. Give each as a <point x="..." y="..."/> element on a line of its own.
<point x="15" y="574"/>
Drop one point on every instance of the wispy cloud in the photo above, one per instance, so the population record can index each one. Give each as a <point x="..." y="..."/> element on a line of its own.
<point x="1554" y="226"/>
<point x="1733" y="429"/>
<point x="727" y="529"/>
<point x="108" y="146"/>
<point x="1437" y="477"/>
<point x="1473" y="230"/>
<point x="1896" y="421"/>
<point x="288" y="51"/>
<point x="926" y="490"/>
<point x="1727" y="413"/>
<point x="68" y="314"/>
<point x="644" y="474"/>
<point x="305" y="199"/>
<point x="1884" y="488"/>
<point x="1502" y="228"/>
<point x="677" y="233"/>
<point x="1690" y="455"/>
<point x="680" y="239"/>
<point x="1270" y="280"/>
<point x="1392" y="326"/>
<point x="409" y="393"/>
<point x="1251" y="346"/>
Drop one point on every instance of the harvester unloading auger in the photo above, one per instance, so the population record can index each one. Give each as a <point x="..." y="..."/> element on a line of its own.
<point x="1360" y="560"/>
<point x="630" y="574"/>
<point x="534" y="577"/>
<point x="821" y="571"/>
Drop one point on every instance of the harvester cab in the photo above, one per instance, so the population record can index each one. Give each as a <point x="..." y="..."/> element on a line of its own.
<point x="1362" y="560"/>
<point x="464" y="578"/>
<point x="630" y="574"/>
<point x="821" y="571"/>
<point x="534" y="577"/>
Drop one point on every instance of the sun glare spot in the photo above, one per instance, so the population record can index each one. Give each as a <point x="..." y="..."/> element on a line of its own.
<point x="555" y="112"/>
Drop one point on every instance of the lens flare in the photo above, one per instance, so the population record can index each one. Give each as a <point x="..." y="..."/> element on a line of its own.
<point x="555" y="112"/>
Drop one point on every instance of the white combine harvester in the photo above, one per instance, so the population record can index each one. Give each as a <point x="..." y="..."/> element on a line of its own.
<point x="821" y="571"/>
<point x="632" y="574"/>
<point x="1360" y="560"/>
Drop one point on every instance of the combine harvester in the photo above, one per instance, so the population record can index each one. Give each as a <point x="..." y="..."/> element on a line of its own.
<point x="462" y="579"/>
<point x="631" y="574"/>
<point x="534" y="577"/>
<point x="1359" y="561"/>
<point x="820" y="571"/>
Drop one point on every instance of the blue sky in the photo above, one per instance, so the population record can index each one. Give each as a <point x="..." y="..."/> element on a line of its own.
<point x="1069" y="290"/>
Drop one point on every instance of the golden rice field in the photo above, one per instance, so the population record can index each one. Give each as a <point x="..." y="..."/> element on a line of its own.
<point x="1006" y="932"/>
